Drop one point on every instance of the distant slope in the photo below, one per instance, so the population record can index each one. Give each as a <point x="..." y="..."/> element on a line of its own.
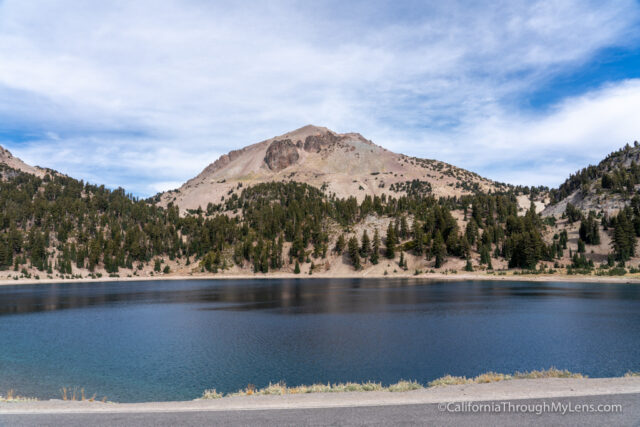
<point x="341" y="164"/>
<point x="7" y="159"/>
<point x="606" y="188"/>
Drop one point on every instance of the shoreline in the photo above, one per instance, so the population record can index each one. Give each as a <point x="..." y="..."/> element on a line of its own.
<point x="627" y="279"/>
<point x="501" y="390"/>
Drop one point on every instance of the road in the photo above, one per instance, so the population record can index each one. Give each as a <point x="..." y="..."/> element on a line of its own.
<point x="413" y="414"/>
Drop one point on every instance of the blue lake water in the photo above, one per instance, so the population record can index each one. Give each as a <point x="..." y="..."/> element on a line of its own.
<point x="170" y="340"/>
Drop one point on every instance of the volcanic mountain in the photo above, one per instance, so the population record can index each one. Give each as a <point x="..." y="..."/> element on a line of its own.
<point x="342" y="164"/>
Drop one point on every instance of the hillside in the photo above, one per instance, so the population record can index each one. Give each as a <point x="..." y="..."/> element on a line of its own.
<point x="605" y="188"/>
<point x="343" y="165"/>
<point x="8" y="160"/>
<point x="53" y="226"/>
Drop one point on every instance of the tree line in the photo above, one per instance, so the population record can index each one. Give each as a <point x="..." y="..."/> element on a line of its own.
<point x="56" y="222"/>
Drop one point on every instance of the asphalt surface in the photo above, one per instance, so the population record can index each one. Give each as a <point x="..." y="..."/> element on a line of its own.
<point x="417" y="414"/>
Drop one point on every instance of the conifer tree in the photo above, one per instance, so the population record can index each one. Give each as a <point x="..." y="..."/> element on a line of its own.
<point x="404" y="227"/>
<point x="418" y="238"/>
<point x="468" y="266"/>
<point x="365" y="249"/>
<point x="391" y="242"/>
<point x="375" y="250"/>
<point x="438" y="250"/>
<point x="589" y="231"/>
<point x="471" y="231"/>
<point x="353" y="250"/>
<point x="485" y="257"/>
<point x="624" y="237"/>
<point x="340" y="244"/>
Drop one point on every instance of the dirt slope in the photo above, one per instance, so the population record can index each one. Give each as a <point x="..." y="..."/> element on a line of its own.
<point x="6" y="158"/>
<point x="342" y="164"/>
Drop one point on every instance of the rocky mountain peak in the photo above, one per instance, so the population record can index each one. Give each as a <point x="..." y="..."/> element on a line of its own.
<point x="341" y="164"/>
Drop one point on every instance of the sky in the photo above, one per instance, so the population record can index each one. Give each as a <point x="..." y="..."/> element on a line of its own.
<point x="144" y="94"/>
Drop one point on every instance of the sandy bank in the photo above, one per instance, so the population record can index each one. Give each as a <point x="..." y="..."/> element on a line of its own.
<point x="428" y="276"/>
<point x="504" y="390"/>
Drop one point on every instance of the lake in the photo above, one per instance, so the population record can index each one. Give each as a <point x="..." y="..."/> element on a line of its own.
<point x="171" y="340"/>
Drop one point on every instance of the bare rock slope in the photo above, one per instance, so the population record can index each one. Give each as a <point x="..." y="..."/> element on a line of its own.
<point x="7" y="159"/>
<point x="341" y="164"/>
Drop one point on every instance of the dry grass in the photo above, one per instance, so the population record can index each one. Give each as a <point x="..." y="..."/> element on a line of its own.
<point x="211" y="394"/>
<point x="76" y="394"/>
<point x="632" y="374"/>
<point x="489" y="377"/>
<point x="492" y="377"/>
<point x="548" y="373"/>
<point x="405" y="386"/>
<point x="450" y="380"/>
<point x="281" y="388"/>
<point x="13" y="397"/>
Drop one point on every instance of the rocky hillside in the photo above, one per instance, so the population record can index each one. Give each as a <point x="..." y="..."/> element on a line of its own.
<point x="288" y="210"/>
<point x="343" y="165"/>
<point x="7" y="159"/>
<point x="605" y="188"/>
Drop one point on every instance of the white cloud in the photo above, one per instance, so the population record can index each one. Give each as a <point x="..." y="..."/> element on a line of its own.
<point x="145" y="93"/>
<point x="542" y="149"/>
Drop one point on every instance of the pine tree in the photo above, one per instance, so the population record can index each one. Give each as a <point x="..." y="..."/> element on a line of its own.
<point x="471" y="231"/>
<point x="573" y="214"/>
<point x="365" y="249"/>
<point x="404" y="227"/>
<point x="353" y="250"/>
<point x="298" y="247"/>
<point x="418" y="238"/>
<point x="485" y="257"/>
<point x="453" y="246"/>
<point x="589" y="231"/>
<point x="340" y="244"/>
<point x="375" y="251"/>
<point x="296" y="269"/>
<point x="438" y="249"/>
<point x="564" y="238"/>
<point x="465" y="247"/>
<point x="391" y="242"/>
<point x="624" y="237"/>
<point x="468" y="266"/>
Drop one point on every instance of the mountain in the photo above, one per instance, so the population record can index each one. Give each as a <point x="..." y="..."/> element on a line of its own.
<point x="288" y="209"/>
<point x="605" y="188"/>
<point x="7" y="159"/>
<point x="343" y="165"/>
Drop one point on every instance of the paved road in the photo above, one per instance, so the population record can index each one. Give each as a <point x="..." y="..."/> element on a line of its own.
<point x="418" y="414"/>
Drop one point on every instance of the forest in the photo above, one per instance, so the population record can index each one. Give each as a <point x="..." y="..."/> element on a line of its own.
<point x="56" y="222"/>
<point x="619" y="172"/>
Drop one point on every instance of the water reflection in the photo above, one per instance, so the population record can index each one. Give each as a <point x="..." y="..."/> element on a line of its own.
<point x="297" y="296"/>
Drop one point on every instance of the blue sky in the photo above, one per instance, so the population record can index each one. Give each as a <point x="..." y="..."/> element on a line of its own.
<point x="145" y="94"/>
